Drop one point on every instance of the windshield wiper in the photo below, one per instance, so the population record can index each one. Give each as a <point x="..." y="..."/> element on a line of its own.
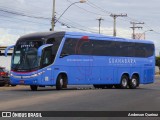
<point x="64" y="55"/>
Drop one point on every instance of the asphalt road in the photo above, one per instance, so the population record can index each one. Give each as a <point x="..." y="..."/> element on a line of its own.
<point x="81" y="98"/>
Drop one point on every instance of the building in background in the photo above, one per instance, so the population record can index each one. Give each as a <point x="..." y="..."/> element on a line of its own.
<point x="5" y="61"/>
<point x="140" y="36"/>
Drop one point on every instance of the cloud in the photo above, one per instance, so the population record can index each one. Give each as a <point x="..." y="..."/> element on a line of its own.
<point x="145" y="11"/>
<point x="6" y="38"/>
<point x="121" y="32"/>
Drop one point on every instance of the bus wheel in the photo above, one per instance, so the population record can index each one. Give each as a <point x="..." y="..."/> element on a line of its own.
<point x="133" y="83"/>
<point x="109" y="86"/>
<point x="61" y="82"/>
<point x="33" y="87"/>
<point x="124" y="82"/>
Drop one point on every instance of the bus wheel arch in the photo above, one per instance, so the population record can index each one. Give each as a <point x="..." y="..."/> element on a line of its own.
<point x="62" y="81"/>
<point x="134" y="81"/>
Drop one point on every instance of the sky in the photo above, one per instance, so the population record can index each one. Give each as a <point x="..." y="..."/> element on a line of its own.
<point x="20" y="17"/>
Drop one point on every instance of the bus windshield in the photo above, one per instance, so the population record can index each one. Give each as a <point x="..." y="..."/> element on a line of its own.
<point x="25" y="56"/>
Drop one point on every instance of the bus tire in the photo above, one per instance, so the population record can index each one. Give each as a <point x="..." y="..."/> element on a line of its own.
<point x="124" y="82"/>
<point x="34" y="87"/>
<point x="133" y="83"/>
<point x="61" y="82"/>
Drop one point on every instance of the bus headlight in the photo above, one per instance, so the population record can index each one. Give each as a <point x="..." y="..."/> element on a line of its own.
<point x="40" y="73"/>
<point x="27" y="76"/>
<point x="11" y="74"/>
<point x="37" y="74"/>
<point x="31" y="76"/>
<point x="34" y="75"/>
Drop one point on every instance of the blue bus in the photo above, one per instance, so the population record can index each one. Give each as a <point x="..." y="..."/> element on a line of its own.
<point x="72" y="58"/>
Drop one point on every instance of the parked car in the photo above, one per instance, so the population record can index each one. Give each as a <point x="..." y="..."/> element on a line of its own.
<point x="4" y="77"/>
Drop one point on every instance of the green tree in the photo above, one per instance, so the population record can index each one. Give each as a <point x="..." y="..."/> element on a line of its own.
<point x="158" y="61"/>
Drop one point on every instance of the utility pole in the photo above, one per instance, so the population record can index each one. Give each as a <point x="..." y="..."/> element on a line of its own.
<point x="53" y="15"/>
<point x="114" y="23"/>
<point x="54" y="20"/>
<point x="134" y="27"/>
<point x="100" y="19"/>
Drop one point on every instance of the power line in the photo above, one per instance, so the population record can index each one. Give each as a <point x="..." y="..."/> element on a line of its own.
<point x="23" y="20"/>
<point x="75" y="27"/>
<point x="76" y="24"/>
<point x="15" y="13"/>
<point x="25" y="13"/>
<point x="21" y="10"/>
<point x="105" y="11"/>
<point x="95" y="13"/>
<point x="22" y="14"/>
<point x="27" y="9"/>
<point x="95" y="6"/>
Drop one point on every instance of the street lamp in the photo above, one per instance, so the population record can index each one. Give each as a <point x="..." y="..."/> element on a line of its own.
<point x="53" y="15"/>
<point x="144" y="33"/>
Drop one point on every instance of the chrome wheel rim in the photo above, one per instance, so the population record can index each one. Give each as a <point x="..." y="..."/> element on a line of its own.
<point x="134" y="81"/>
<point x="124" y="82"/>
<point x="61" y="81"/>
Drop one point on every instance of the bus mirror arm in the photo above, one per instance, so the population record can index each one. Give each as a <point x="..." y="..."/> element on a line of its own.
<point x="6" y="50"/>
<point x="40" y="49"/>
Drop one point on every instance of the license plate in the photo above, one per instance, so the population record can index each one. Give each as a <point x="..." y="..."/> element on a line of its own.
<point x="21" y="81"/>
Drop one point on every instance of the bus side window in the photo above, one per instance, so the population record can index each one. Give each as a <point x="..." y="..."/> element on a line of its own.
<point x="69" y="46"/>
<point x="86" y="48"/>
<point x="149" y="50"/>
<point x="131" y="49"/>
<point x="125" y="49"/>
<point x="140" y="50"/>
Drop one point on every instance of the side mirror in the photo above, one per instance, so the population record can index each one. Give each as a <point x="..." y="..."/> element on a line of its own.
<point x="40" y="49"/>
<point x="6" y="50"/>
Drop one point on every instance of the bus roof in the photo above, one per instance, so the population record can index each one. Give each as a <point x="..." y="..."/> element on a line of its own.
<point x="107" y="37"/>
<point x="41" y="35"/>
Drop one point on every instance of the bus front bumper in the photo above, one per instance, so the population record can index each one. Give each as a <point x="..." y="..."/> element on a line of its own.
<point x="32" y="79"/>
